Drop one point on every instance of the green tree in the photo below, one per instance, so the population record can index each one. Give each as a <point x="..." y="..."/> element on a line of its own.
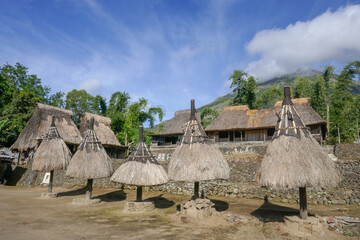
<point x="79" y="101"/>
<point x="19" y="91"/>
<point x="318" y="99"/>
<point x="15" y="116"/>
<point x="238" y="83"/>
<point x="328" y="73"/>
<point x="56" y="100"/>
<point x="118" y="104"/>
<point x="207" y="116"/>
<point x="303" y="87"/>
<point x="269" y="97"/>
<point x="341" y="104"/>
<point x="135" y="114"/>
<point x="244" y="88"/>
<point x="18" y="77"/>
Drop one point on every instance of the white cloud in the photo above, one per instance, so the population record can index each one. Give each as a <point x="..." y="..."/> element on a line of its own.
<point x="332" y="36"/>
<point x="92" y="86"/>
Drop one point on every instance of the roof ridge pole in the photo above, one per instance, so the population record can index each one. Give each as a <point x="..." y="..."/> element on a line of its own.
<point x="141" y="133"/>
<point x="192" y="115"/>
<point x="52" y="121"/>
<point x="287" y="96"/>
<point x="91" y="126"/>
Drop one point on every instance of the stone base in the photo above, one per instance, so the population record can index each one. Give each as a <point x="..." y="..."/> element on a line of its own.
<point x="304" y="228"/>
<point x="85" y="201"/>
<point x="199" y="208"/>
<point x="139" y="206"/>
<point x="47" y="195"/>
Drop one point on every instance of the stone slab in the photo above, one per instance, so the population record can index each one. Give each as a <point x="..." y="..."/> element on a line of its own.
<point x="145" y="206"/>
<point x="47" y="195"/>
<point x="85" y="201"/>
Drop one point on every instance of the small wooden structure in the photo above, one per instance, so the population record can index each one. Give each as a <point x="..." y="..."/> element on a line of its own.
<point x="90" y="160"/>
<point x="196" y="159"/>
<point x="104" y="133"/>
<point x="241" y="124"/>
<point x="140" y="169"/>
<point x="172" y="129"/>
<point x="37" y="128"/>
<point x="294" y="159"/>
<point x="52" y="154"/>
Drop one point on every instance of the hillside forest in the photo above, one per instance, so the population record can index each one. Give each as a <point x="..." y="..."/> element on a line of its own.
<point x="334" y="96"/>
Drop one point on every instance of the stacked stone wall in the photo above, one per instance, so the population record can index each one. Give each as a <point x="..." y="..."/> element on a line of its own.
<point x="244" y="160"/>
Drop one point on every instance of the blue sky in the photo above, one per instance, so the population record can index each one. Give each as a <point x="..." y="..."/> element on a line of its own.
<point x="173" y="50"/>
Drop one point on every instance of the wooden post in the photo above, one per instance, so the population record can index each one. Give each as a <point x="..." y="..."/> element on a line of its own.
<point x="139" y="194"/>
<point x="328" y="117"/>
<point x="357" y="129"/>
<point x="51" y="181"/>
<point x="339" y="134"/>
<point x="303" y="203"/>
<point x="196" y="190"/>
<point x="89" y="188"/>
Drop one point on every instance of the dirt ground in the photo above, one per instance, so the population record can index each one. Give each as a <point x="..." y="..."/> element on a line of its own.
<point x="24" y="215"/>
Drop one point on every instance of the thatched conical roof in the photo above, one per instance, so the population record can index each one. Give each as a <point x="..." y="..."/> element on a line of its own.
<point x="196" y="159"/>
<point x="141" y="167"/>
<point x="90" y="160"/>
<point x="102" y="128"/>
<point x="294" y="158"/>
<point x="52" y="154"/>
<point x="37" y="127"/>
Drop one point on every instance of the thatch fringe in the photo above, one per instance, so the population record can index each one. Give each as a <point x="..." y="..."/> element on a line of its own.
<point x="291" y="162"/>
<point x="90" y="165"/>
<point x="197" y="162"/>
<point x="90" y="160"/>
<point x="140" y="174"/>
<point x="51" y="155"/>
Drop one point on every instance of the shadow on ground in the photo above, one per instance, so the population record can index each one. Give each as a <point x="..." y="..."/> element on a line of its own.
<point x="14" y="176"/>
<point x="76" y="192"/>
<point x="270" y="212"/>
<point x="115" y="196"/>
<point x="220" y="205"/>
<point x="161" y="202"/>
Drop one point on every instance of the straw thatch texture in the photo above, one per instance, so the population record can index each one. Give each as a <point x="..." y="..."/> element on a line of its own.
<point x="294" y="158"/>
<point x="102" y="128"/>
<point x="51" y="155"/>
<point x="91" y="160"/>
<point x="175" y="125"/>
<point x="291" y="162"/>
<point x="197" y="162"/>
<point x="195" y="159"/>
<point x="241" y="117"/>
<point x="140" y="174"/>
<point x="141" y="168"/>
<point x="37" y="127"/>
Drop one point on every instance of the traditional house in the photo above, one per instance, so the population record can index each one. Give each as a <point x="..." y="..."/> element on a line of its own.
<point x="37" y="127"/>
<point x="173" y="129"/>
<point x="239" y="123"/>
<point x="103" y="131"/>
